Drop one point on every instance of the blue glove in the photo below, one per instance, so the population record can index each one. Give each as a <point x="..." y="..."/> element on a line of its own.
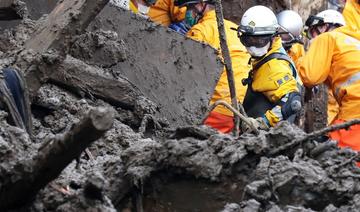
<point x="179" y="27"/>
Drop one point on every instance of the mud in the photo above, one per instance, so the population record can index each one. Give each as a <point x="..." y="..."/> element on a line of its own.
<point x="165" y="67"/>
<point x="30" y="10"/>
<point x="142" y="164"/>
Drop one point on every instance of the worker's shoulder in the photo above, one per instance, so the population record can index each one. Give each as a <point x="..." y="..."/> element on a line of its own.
<point x="230" y="25"/>
<point x="276" y="65"/>
<point x="332" y="35"/>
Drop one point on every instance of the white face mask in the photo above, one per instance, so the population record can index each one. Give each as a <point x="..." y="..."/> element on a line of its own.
<point x="143" y="9"/>
<point x="258" y="52"/>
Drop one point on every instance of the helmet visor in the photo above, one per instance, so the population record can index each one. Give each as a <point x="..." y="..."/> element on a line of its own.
<point x="286" y="36"/>
<point x="255" y="40"/>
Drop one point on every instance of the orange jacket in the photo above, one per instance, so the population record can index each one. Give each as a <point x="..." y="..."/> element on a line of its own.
<point x="296" y="51"/>
<point x="164" y="12"/>
<point x="351" y="14"/>
<point x="333" y="58"/>
<point x="207" y="31"/>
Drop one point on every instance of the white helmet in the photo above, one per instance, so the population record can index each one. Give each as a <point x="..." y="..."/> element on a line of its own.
<point x="326" y="17"/>
<point x="290" y="22"/>
<point x="258" y="20"/>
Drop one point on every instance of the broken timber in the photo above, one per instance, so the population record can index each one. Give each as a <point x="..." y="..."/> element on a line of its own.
<point x="80" y="77"/>
<point x="68" y="19"/>
<point x="53" y="157"/>
<point x="228" y="64"/>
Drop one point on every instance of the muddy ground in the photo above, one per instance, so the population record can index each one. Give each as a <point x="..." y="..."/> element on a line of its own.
<point x="149" y="165"/>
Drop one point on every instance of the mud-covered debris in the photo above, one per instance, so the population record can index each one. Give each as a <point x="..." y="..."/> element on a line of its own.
<point x="101" y="48"/>
<point x="163" y="72"/>
<point x="94" y="186"/>
<point x="12" y="10"/>
<point x="231" y="207"/>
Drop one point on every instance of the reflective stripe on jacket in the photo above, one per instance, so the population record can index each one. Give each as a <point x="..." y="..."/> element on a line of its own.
<point x="207" y="31"/>
<point x="333" y="58"/>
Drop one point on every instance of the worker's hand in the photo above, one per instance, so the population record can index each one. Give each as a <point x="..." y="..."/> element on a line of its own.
<point x="258" y="123"/>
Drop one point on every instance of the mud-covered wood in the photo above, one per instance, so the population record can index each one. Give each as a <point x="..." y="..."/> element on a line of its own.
<point x="53" y="157"/>
<point x="176" y="73"/>
<point x="315" y="134"/>
<point x="80" y="77"/>
<point x="8" y="11"/>
<point x="315" y="116"/>
<point x="226" y="54"/>
<point x="67" y="19"/>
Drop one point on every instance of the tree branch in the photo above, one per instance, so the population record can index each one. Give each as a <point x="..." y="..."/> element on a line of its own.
<point x="52" y="158"/>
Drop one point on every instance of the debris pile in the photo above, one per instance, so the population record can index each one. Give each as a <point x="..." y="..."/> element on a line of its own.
<point x="127" y="148"/>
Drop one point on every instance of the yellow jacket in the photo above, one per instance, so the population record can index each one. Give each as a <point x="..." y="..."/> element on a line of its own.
<point x="207" y="31"/>
<point x="164" y="12"/>
<point x="296" y="51"/>
<point x="333" y="107"/>
<point x="351" y="14"/>
<point x="274" y="79"/>
<point x="333" y="58"/>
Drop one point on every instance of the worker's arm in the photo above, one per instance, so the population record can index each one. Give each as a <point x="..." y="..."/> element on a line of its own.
<point x="314" y="67"/>
<point x="165" y="12"/>
<point x="275" y="80"/>
<point x="198" y="33"/>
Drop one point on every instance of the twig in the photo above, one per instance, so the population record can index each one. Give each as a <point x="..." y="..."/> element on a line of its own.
<point x="145" y="122"/>
<point x="53" y="158"/>
<point x="227" y="61"/>
<point x="344" y="163"/>
<point x="89" y="154"/>
<point x="60" y="189"/>
<point x="315" y="134"/>
<point x="236" y="114"/>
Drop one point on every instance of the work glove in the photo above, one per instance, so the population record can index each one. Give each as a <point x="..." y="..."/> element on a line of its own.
<point x="259" y="123"/>
<point x="180" y="27"/>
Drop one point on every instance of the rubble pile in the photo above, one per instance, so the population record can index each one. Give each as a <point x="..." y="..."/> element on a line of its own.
<point x="122" y="146"/>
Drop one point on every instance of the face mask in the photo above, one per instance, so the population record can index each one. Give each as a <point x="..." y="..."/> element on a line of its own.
<point x="189" y="19"/>
<point x="143" y="10"/>
<point x="258" y="52"/>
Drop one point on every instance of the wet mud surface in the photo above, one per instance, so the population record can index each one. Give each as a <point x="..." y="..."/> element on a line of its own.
<point x="144" y="164"/>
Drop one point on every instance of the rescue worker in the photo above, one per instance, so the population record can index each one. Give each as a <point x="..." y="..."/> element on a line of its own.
<point x="337" y="64"/>
<point x="273" y="92"/>
<point x="291" y="27"/>
<point x="139" y="7"/>
<point x="14" y="99"/>
<point x="201" y="17"/>
<point x="159" y="11"/>
<point x="326" y="21"/>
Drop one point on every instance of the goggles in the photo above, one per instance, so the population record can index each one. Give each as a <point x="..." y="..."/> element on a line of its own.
<point x="314" y="31"/>
<point x="255" y="40"/>
<point x="286" y="36"/>
<point x="314" y="20"/>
